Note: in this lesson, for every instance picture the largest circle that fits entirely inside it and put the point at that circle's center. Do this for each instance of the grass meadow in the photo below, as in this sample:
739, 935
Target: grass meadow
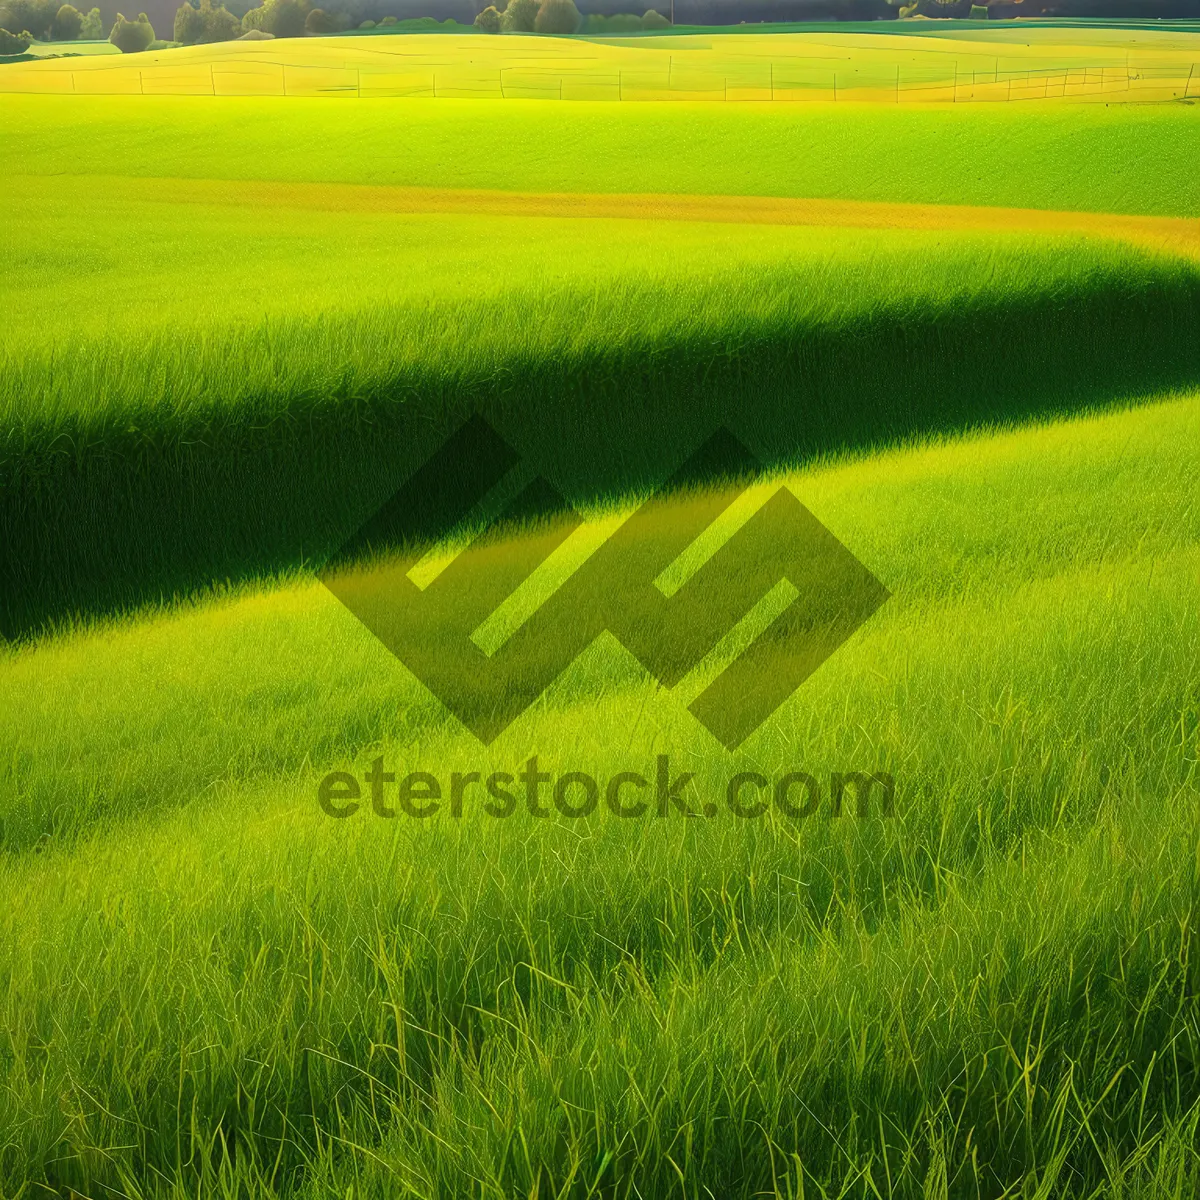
194, 950
293, 342
966, 337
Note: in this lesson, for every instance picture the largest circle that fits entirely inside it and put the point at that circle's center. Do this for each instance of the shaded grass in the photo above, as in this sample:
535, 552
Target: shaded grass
994, 989
263, 683
194, 393
137, 466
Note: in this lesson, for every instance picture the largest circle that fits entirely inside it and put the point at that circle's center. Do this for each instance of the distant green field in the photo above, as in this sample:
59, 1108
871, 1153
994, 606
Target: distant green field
941, 154
966, 337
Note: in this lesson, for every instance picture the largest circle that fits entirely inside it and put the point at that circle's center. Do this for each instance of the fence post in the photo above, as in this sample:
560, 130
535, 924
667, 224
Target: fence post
1187, 87
212, 79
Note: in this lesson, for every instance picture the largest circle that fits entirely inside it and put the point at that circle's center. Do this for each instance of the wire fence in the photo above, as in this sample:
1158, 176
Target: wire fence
780, 80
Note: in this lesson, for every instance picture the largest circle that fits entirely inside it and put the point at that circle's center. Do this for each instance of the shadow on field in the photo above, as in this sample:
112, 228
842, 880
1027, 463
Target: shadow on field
93, 524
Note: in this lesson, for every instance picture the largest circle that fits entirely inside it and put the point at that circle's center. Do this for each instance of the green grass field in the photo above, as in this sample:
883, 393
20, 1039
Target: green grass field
966, 337
228, 963
855, 152
294, 387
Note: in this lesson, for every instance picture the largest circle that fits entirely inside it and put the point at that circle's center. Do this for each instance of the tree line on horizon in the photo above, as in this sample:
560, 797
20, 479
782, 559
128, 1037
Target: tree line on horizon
24, 21
198, 21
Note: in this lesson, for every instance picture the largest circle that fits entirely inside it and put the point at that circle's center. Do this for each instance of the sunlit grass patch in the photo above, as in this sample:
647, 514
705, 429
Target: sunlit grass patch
420, 988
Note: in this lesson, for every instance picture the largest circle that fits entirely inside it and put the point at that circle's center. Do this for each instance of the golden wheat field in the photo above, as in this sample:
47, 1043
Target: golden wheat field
1110, 65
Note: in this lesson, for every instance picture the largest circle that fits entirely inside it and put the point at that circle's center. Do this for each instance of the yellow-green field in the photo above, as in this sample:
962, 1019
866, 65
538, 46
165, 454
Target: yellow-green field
1109, 66
965, 336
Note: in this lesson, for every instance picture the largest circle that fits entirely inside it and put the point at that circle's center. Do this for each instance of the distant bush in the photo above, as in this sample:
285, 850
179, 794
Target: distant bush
13, 43
488, 21
220, 25
205, 24
34, 17
653, 19
93, 26
189, 25
429, 24
67, 24
282, 18
519, 16
256, 35
620, 23
979, 12
287, 17
131, 37
295, 18
557, 16
936, 8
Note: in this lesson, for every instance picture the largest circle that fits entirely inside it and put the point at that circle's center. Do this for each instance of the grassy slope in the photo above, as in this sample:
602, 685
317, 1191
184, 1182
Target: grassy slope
969, 988
215, 453
141, 457
152, 260
194, 324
